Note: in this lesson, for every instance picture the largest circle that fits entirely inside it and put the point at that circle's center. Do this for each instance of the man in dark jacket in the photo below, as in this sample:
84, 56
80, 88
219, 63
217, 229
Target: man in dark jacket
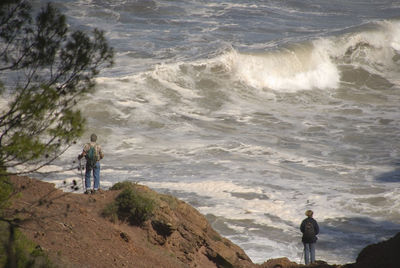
309, 227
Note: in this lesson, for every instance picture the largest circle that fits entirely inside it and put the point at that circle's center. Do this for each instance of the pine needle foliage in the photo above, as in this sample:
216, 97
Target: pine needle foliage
27, 253
45, 69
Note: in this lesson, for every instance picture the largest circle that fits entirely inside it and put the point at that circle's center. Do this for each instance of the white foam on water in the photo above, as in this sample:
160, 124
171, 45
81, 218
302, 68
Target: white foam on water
225, 199
373, 48
286, 70
274, 249
225, 204
3, 104
198, 125
392, 205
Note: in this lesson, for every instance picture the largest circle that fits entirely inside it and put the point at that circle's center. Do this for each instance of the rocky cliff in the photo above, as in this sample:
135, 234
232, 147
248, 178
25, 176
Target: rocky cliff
385, 254
70, 228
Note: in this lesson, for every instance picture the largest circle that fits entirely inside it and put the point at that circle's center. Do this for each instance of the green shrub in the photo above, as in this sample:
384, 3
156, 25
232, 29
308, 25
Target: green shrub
172, 201
122, 185
111, 212
130, 205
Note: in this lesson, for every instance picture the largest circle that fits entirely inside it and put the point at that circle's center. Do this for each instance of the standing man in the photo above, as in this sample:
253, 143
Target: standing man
93, 154
309, 227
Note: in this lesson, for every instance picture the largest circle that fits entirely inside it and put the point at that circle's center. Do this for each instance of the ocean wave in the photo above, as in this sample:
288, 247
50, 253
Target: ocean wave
315, 64
252, 112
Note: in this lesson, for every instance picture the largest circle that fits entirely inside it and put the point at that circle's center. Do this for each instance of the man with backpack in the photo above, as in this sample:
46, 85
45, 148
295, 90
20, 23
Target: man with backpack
309, 227
93, 154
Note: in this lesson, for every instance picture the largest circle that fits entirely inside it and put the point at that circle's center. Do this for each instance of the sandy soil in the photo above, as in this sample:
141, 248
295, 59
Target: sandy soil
69, 227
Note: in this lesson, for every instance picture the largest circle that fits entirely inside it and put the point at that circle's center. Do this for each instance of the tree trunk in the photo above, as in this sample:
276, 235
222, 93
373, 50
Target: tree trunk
11, 258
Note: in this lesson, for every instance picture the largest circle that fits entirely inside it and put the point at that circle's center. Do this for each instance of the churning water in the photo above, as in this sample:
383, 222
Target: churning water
253, 112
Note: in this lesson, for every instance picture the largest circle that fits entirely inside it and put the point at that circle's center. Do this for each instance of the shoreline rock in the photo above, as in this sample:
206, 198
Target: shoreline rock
73, 232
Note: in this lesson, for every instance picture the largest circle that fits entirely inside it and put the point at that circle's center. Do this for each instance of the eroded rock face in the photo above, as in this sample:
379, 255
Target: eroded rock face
74, 234
187, 233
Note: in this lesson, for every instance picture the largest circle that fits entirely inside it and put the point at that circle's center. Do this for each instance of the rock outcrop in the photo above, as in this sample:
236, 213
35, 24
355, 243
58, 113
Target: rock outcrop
385, 254
70, 228
181, 229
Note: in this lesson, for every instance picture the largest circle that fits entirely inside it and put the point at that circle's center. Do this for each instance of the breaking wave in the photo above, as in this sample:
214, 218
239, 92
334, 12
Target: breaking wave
316, 64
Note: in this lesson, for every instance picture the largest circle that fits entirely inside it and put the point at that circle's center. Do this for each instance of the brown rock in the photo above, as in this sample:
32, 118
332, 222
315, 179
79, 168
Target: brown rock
283, 262
384, 254
77, 236
69, 228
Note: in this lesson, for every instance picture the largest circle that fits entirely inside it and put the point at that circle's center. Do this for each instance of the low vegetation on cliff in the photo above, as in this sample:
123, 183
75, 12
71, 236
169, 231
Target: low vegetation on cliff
131, 225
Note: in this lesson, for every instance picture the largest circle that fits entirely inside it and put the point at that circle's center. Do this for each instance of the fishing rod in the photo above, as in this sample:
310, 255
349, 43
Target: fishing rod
80, 168
302, 256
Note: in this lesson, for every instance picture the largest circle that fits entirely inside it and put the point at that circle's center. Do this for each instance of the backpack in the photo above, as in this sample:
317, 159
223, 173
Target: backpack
91, 158
309, 232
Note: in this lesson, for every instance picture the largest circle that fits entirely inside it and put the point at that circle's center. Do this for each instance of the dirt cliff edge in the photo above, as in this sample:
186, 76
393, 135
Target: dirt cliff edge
70, 228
